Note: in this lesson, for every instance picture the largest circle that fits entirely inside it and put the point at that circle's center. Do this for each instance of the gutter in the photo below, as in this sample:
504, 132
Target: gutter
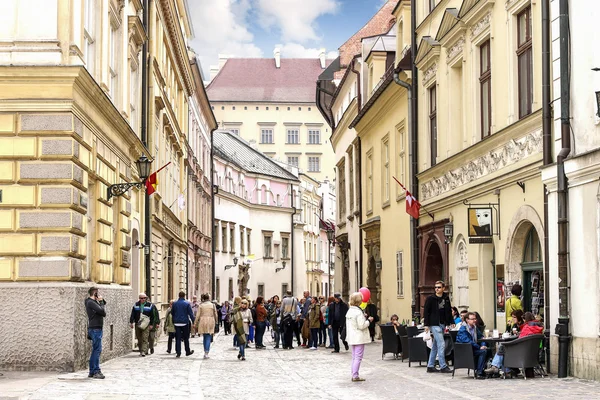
414, 149
292, 236
144, 134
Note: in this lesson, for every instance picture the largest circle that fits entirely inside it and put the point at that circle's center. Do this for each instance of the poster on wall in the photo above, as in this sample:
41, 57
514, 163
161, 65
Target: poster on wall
500, 295
480, 222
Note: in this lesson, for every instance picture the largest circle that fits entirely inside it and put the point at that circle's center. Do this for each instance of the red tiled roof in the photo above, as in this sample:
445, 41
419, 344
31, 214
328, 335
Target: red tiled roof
258, 80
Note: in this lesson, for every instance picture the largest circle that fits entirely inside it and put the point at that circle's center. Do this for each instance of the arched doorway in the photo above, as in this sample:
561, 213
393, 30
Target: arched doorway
434, 269
433, 265
533, 273
135, 264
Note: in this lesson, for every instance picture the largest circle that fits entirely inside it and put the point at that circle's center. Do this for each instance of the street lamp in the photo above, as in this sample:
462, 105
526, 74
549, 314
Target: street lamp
119, 189
280, 268
330, 238
235, 261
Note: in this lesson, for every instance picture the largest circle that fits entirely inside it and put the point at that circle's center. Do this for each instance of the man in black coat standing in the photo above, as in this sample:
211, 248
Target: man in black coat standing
437, 314
337, 321
94, 307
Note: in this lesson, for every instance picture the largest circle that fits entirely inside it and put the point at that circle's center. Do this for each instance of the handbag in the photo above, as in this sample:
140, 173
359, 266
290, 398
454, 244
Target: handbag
143, 322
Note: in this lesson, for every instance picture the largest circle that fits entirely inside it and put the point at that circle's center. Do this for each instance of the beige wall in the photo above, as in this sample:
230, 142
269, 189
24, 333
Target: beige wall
249, 118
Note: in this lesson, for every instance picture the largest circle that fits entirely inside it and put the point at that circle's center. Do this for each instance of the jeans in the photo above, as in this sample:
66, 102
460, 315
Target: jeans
206, 340
243, 348
330, 333
277, 337
480, 356
96, 335
235, 340
438, 347
358, 350
260, 332
170, 342
182, 332
251, 334
322, 333
314, 337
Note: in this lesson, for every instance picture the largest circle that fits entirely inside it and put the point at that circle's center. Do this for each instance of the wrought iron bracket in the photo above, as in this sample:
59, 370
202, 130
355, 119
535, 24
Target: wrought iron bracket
120, 189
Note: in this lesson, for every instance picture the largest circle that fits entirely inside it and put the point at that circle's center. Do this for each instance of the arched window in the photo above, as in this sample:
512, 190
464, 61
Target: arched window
533, 248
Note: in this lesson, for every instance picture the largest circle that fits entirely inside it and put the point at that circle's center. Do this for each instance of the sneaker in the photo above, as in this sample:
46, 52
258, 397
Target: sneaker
206, 356
151, 351
142, 355
358, 379
243, 358
480, 377
98, 375
446, 370
303, 345
239, 355
491, 370
312, 348
432, 369
90, 375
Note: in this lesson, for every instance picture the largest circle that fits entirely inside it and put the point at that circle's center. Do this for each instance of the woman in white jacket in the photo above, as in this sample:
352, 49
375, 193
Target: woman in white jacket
357, 333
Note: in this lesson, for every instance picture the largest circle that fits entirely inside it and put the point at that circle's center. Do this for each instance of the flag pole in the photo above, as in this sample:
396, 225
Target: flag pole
424, 209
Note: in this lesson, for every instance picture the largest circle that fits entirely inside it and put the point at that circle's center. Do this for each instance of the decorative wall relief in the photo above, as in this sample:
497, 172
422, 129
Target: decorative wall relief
455, 49
511, 152
482, 25
429, 74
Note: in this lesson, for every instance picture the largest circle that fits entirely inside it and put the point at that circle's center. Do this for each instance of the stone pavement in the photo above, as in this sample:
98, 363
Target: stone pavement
277, 374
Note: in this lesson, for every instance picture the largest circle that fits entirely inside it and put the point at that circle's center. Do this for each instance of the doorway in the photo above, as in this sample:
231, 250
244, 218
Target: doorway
434, 270
533, 274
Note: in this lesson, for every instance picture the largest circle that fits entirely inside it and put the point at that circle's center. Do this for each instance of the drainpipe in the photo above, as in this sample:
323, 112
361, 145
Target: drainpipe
359, 168
212, 213
145, 141
547, 146
562, 328
292, 237
414, 149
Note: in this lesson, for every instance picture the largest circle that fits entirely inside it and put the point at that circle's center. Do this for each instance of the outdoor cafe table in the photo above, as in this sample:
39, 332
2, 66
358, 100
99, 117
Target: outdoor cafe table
498, 339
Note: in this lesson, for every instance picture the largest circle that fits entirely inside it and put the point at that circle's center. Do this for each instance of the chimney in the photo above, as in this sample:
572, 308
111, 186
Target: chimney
322, 57
214, 70
222, 60
277, 55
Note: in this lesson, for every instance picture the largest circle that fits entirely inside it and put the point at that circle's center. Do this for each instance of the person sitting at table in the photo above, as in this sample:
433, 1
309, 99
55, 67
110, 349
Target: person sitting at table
480, 324
456, 315
517, 320
395, 323
469, 334
530, 327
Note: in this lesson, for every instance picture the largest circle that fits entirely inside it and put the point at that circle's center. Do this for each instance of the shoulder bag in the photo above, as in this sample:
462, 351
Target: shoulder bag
143, 322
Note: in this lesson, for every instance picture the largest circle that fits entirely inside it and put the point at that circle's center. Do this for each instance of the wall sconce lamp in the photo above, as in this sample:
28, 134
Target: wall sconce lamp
448, 232
235, 261
280, 268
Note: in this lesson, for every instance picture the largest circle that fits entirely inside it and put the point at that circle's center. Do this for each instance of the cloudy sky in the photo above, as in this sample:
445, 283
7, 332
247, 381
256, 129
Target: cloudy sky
253, 28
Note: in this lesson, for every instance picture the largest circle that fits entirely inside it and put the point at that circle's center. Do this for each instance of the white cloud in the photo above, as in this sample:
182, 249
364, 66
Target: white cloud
295, 18
220, 27
296, 50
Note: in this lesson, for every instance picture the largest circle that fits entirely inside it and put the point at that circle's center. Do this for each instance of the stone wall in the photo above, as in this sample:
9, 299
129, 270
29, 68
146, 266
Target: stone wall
44, 325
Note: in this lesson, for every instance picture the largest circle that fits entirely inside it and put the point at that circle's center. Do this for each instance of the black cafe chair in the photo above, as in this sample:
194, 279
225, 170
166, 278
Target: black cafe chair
417, 350
391, 341
523, 353
453, 335
412, 331
463, 358
402, 330
404, 347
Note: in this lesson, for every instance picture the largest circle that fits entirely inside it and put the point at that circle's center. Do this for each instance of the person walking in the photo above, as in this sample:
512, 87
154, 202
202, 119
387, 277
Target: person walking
261, 322
275, 320
323, 326
326, 318
94, 307
243, 323
155, 326
371, 311
304, 323
314, 323
142, 317
337, 320
195, 306
237, 304
357, 333
288, 312
206, 321
225, 310
169, 328
437, 313
182, 316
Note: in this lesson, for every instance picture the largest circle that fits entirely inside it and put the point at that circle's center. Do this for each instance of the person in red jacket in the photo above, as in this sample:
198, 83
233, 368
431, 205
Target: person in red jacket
530, 327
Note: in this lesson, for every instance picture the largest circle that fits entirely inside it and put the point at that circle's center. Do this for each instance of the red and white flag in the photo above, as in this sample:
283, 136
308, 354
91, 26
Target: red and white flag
413, 206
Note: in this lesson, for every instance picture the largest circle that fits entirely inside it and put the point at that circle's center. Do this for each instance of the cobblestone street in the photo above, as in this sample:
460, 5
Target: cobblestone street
276, 374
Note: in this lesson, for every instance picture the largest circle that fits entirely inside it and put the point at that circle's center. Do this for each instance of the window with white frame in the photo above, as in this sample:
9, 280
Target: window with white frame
314, 164
267, 244
342, 190
133, 95
266, 135
89, 35
284, 247
351, 178
399, 274
385, 169
113, 60
401, 159
293, 136
370, 181
293, 161
235, 131
314, 136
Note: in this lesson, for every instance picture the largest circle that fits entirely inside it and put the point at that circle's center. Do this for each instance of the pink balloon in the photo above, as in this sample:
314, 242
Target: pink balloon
366, 294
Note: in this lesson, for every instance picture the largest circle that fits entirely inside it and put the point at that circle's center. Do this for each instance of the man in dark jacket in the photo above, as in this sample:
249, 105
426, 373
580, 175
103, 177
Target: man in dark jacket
182, 315
142, 333
155, 322
437, 314
337, 321
94, 306
371, 311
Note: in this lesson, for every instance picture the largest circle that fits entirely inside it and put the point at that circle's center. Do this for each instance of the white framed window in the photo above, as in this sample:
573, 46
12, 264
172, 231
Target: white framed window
401, 159
235, 131
385, 169
89, 35
113, 61
266, 135
314, 164
293, 136
314, 136
370, 181
293, 161
133, 96
399, 274
267, 243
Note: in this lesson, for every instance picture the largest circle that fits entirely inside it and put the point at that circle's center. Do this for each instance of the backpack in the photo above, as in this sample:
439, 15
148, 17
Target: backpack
253, 311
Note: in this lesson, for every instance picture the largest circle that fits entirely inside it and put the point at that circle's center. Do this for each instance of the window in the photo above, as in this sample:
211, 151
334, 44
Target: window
216, 235
267, 243
284, 289
385, 169
370, 181
399, 274
433, 123
342, 190
232, 239
113, 65
224, 239
230, 289
293, 136
284, 247
133, 96
218, 288
248, 241
485, 82
293, 161
314, 136
431, 5
266, 135
401, 161
89, 35
235, 131
242, 234
261, 290
351, 179
313, 164
524, 56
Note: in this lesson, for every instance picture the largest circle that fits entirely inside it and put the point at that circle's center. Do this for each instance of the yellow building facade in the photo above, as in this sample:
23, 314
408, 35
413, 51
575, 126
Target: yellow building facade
480, 152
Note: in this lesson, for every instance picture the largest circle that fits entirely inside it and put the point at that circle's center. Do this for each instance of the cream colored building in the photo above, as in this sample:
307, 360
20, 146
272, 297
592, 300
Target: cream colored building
69, 127
480, 152
271, 103
310, 211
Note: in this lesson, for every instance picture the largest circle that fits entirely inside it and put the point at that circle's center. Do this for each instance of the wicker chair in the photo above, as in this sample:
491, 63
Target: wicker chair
463, 358
523, 353
391, 341
417, 350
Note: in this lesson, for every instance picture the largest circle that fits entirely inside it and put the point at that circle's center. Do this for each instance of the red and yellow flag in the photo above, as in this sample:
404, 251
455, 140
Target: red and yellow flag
152, 181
